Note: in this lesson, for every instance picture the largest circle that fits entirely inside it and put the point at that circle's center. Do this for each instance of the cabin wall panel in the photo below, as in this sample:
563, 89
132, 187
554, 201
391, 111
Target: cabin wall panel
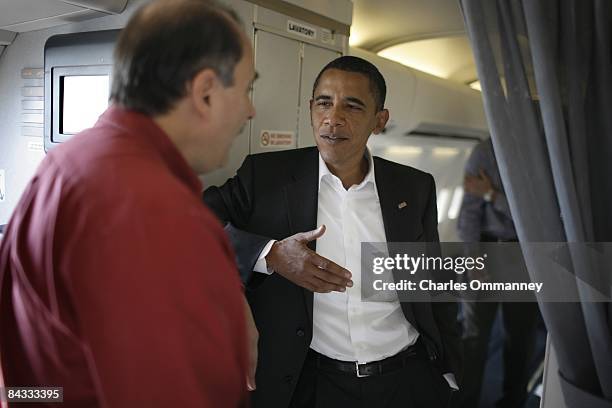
20, 152
17, 156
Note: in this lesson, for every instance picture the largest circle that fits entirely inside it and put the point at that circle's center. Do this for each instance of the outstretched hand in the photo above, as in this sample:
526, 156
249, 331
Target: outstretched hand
292, 259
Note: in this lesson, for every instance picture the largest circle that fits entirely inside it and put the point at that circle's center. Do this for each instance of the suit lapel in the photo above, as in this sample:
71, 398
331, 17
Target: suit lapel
395, 205
302, 196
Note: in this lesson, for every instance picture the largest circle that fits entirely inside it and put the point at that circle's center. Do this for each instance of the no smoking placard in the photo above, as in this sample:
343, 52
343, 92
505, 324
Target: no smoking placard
276, 138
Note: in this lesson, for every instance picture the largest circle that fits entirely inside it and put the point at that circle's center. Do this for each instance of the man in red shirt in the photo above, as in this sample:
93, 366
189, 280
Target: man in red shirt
116, 283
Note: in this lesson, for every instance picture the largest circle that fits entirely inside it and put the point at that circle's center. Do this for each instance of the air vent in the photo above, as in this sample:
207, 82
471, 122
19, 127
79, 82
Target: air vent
439, 130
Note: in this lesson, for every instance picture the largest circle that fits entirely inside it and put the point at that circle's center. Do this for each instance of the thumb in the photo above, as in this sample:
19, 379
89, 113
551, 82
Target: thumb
312, 235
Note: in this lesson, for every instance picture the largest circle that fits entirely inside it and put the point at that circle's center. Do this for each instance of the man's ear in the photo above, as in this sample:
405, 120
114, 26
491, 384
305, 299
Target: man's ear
203, 90
382, 118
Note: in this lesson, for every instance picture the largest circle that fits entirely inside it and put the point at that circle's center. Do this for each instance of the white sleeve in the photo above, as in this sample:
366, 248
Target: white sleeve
452, 382
261, 266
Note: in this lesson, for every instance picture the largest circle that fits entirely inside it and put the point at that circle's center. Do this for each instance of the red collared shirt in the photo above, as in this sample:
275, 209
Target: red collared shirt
117, 283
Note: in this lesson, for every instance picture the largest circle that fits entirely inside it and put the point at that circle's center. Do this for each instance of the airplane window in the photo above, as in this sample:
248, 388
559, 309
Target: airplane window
405, 150
445, 151
443, 197
84, 99
455, 206
443, 157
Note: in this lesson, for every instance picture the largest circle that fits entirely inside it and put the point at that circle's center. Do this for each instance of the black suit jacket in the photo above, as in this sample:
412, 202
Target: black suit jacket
273, 196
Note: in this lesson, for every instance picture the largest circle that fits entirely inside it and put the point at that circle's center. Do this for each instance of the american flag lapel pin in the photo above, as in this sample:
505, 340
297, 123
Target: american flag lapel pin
402, 205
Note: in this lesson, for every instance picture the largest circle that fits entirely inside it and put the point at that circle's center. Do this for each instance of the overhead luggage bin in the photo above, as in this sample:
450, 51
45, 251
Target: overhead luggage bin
30, 15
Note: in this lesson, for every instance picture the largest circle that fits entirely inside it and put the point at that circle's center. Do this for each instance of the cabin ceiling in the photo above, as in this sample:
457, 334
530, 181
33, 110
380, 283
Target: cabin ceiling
15, 12
27, 15
428, 35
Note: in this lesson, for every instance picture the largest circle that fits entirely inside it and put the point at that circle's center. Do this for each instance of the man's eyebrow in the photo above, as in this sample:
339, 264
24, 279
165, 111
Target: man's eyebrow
323, 97
355, 100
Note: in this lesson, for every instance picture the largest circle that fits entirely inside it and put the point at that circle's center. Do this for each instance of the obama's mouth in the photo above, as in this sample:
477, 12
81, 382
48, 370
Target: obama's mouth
332, 138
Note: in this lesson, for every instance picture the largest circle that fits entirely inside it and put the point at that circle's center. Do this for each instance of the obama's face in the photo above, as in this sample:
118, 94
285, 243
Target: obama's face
344, 114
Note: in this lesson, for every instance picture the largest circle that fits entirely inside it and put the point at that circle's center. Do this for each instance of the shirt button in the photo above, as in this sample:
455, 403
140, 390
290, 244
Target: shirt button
300, 332
288, 379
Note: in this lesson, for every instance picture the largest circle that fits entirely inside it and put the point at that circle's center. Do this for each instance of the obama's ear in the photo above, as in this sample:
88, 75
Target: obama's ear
382, 118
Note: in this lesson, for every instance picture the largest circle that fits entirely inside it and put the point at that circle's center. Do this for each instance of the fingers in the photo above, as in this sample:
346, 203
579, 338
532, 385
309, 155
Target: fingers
326, 264
469, 181
340, 281
314, 284
468, 185
330, 272
311, 235
332, 278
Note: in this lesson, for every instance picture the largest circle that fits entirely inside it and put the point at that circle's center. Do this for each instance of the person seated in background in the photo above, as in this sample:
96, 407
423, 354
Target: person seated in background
485, 217
117, 284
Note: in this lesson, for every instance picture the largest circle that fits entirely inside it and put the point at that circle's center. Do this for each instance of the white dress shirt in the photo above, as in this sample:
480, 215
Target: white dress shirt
344, 327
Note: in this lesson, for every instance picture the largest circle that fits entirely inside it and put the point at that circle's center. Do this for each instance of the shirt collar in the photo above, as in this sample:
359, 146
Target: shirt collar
369, 178
143, 129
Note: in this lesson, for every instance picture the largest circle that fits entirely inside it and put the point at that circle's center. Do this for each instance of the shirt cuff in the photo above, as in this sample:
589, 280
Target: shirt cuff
452, 382
261, 265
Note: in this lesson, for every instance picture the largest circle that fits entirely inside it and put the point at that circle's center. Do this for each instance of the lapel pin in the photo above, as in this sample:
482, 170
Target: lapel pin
402, 205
